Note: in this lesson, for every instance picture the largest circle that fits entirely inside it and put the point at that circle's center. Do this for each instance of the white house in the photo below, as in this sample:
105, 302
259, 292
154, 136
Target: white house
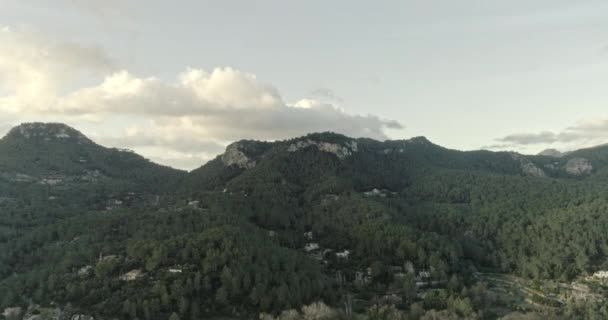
344, 254
311, 246
85, 270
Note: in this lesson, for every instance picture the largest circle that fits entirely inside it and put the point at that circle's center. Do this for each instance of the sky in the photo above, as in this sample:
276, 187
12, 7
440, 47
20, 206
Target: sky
177, 81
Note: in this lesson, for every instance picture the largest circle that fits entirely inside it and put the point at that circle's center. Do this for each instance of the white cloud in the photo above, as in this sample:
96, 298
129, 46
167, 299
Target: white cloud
196, 92
175, 139
229, 88
33, 71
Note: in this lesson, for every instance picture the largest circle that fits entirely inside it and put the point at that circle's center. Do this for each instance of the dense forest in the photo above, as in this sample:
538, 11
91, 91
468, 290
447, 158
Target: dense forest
316, 227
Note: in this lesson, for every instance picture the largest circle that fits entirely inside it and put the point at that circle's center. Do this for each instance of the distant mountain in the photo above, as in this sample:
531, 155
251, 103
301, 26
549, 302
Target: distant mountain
394, 162
551, 153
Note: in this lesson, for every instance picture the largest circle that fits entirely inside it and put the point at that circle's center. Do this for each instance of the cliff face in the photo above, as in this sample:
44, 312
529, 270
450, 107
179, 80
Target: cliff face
578, 166
528, 167
234, 155
339, 150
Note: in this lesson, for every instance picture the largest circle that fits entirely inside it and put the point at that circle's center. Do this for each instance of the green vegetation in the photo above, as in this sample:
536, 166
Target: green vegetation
375, 230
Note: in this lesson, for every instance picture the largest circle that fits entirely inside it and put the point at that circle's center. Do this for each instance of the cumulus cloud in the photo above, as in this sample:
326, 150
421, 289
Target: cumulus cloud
223, 104
584, 133
191, 117
174, 139
176, 147
33, 71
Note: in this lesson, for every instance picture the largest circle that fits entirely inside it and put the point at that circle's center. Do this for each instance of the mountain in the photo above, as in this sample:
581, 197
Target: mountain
377, 230
56, 167
57, 153
390, 164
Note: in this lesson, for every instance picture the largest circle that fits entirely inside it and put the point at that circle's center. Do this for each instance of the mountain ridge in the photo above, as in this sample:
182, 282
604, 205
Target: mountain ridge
418, 151
49, 132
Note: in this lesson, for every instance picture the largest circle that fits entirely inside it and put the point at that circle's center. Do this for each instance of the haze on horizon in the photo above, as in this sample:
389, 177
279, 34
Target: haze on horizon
178, 81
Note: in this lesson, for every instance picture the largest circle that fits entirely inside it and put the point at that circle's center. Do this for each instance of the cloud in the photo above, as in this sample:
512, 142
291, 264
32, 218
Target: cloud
191, 117
223, 104
530, 138
78, 57
33, 71
499, 146
172, 139
175, 147
584, 133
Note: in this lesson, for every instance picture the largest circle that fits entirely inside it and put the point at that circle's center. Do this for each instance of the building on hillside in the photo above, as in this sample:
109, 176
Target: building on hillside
344, 254
311, 246
85, 270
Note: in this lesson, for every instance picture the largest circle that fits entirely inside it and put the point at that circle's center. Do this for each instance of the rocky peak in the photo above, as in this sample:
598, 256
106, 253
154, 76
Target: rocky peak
244, 153
47, 132
235, 156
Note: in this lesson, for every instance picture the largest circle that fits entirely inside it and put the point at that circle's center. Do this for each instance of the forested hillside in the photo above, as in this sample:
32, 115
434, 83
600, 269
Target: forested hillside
375, 230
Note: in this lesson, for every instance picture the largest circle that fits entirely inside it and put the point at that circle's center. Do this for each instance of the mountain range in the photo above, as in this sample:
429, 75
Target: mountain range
400, 229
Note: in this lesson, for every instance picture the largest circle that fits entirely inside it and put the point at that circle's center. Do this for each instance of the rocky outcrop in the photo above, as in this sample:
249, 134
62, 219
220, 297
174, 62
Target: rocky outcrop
532, 170
528, 167
235, 156
341, 151
578, 166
